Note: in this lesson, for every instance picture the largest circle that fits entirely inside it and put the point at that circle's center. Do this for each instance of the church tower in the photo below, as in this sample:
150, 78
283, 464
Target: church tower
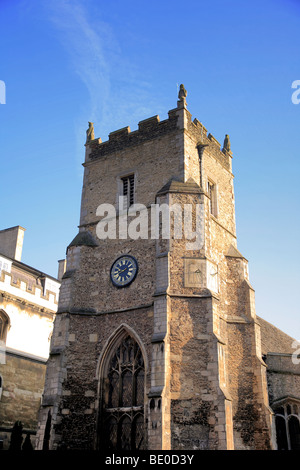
156, 344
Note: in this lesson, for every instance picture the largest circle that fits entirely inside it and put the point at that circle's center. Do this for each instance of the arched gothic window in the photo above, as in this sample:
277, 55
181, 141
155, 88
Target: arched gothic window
4, 325
122, 402
287, 420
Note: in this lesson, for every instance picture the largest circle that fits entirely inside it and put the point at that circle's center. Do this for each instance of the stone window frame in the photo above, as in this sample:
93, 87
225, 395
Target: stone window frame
107, 354
5, 265
212, 192
285, 409
120, 188
4, 326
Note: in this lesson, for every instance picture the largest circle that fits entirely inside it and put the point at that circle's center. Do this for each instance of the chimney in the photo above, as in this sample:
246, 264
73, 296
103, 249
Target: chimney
11, 242
61, 269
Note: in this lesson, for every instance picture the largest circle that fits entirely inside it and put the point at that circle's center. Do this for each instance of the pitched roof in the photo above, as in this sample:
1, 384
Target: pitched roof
83, 238
273, 339
234, 253
175, 185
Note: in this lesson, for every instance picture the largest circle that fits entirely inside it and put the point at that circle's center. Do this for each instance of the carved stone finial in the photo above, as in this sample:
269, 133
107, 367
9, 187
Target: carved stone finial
182, 94
90, 134
226, 145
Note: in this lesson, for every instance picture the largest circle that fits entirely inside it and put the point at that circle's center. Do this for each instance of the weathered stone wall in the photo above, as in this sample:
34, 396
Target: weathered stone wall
216, 167
154, 154
79, 404
22, 387
193, 378
93, 278
283, 376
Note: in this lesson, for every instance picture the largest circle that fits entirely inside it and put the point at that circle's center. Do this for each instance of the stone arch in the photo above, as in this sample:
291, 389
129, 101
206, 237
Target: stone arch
110, 343
4, 326
287, 421
121, 374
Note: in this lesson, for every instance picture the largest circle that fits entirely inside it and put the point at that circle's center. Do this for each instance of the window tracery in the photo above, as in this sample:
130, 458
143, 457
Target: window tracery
287, 420
122, 418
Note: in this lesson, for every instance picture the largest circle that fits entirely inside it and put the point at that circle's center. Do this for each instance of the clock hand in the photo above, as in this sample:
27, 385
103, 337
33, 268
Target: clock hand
122, 271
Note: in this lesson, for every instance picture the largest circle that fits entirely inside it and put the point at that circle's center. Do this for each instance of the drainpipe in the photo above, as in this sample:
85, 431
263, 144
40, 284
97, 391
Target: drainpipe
200, 148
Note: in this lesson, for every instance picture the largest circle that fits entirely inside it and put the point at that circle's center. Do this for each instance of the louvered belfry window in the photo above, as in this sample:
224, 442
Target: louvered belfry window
122, 426
212, 194
210, 190
128, 189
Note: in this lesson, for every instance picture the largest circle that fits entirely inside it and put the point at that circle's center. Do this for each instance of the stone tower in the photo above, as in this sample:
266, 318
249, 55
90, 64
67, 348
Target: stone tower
156, 344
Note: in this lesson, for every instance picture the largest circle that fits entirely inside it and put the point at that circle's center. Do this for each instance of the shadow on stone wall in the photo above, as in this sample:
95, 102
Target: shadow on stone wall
17, 440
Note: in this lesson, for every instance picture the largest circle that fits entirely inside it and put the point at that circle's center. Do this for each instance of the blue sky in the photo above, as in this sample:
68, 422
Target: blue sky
115, 63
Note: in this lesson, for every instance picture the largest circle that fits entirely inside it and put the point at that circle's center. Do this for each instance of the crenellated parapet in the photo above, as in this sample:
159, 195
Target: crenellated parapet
149, 129
214, 147
152, 128
43, 292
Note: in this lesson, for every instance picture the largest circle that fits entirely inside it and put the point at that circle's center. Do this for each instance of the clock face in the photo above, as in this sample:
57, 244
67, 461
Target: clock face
124, 271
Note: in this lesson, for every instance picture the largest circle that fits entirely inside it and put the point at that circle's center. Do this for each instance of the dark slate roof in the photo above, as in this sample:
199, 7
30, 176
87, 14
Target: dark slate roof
274, 340
177, 185
83, 239
234, 253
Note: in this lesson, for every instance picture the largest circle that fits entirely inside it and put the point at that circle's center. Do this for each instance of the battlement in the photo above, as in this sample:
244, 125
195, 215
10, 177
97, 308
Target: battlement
214, 140
152, 128
120, 134
201, 134
147, 124
42, 292
200, 126
148, 129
